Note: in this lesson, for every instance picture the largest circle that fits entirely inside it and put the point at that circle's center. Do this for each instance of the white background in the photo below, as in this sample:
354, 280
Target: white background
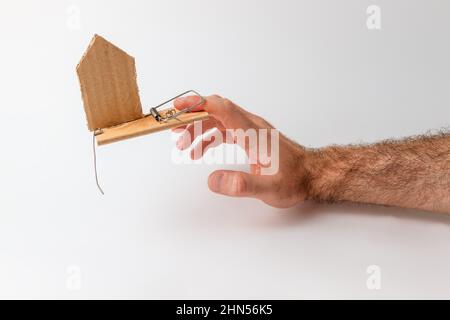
312, 68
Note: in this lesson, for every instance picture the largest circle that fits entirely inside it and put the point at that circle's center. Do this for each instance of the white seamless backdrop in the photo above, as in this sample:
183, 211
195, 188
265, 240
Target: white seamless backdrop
312, 68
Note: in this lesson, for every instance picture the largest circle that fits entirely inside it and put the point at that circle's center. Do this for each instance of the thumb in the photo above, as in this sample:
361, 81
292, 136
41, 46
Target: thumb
237, 183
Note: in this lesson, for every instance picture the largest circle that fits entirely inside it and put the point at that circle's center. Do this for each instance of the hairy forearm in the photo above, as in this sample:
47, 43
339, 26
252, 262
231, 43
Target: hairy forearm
412, 173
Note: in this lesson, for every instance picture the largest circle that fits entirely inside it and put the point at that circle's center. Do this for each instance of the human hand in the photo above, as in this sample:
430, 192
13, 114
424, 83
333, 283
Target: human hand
284, 188
396, 172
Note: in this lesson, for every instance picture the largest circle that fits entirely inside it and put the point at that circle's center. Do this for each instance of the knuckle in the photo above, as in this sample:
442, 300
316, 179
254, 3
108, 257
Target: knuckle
225, 111
227, 103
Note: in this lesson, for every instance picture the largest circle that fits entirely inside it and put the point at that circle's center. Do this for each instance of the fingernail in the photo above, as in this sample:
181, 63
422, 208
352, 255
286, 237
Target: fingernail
180, 100
215, 182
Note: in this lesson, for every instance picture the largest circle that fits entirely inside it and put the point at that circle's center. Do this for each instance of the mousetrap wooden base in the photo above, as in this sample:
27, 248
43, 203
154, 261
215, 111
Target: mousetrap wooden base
144, 126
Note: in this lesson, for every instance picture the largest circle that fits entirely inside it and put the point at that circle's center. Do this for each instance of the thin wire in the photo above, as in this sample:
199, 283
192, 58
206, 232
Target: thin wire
95, 164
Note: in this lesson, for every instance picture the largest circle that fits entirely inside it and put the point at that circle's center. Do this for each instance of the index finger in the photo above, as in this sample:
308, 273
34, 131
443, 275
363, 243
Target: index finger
223, 110
213, 104
189, 101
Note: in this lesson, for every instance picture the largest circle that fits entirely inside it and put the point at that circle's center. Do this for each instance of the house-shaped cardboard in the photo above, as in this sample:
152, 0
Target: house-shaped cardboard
108, 84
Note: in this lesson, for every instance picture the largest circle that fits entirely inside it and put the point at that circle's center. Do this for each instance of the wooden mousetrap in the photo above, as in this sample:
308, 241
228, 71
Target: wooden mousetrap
111, 100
